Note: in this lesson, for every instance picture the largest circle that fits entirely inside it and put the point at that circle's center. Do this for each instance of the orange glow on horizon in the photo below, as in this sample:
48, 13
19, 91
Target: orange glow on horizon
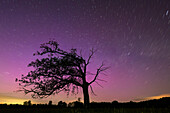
11, 100
158, 97
153, 97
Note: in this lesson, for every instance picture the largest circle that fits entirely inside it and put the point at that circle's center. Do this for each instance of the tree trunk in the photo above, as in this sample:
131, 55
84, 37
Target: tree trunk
86, 96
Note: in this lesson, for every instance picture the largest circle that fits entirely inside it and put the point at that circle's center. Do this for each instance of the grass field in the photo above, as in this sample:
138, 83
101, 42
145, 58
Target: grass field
81, 110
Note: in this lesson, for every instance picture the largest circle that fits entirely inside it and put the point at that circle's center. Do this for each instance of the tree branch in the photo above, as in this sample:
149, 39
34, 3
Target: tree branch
92, 90
99, 84
90, 56
100, 69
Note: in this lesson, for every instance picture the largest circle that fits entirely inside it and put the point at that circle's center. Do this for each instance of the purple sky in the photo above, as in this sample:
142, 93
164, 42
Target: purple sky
133, 37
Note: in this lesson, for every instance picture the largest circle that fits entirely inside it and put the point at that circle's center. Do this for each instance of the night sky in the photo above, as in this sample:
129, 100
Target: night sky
131, 36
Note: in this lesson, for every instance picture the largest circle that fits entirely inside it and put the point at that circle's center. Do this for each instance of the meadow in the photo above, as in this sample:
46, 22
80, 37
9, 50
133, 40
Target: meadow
82, 110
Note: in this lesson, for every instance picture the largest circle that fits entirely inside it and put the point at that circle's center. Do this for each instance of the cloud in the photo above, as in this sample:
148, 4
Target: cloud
152, 97
7, 73
4, 73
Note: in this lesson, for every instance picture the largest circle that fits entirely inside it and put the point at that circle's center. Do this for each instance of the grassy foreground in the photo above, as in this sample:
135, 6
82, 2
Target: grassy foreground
81, 110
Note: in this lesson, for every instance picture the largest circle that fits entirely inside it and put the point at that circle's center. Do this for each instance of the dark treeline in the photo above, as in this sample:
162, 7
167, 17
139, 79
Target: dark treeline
156, 103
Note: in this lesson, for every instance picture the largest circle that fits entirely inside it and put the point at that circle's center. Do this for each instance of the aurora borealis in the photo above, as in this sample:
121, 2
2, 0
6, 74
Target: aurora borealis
132, 37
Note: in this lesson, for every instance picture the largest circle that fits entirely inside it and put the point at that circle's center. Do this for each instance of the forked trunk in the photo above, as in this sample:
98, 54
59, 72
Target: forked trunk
86, 96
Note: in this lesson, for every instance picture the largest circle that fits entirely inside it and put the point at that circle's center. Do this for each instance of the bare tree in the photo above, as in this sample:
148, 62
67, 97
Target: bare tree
58, 71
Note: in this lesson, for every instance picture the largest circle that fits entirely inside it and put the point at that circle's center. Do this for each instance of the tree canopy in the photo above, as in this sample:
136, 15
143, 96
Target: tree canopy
58, 71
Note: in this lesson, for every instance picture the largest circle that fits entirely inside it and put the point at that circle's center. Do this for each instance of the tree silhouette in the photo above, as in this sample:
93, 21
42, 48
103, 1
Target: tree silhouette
58, 71
27, 103
50, 103
62, 104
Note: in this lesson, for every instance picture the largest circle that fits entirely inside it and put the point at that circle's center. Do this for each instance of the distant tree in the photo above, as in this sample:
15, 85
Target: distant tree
29, 102
50, 103
79, 99
25, 103
62, 104
75, 104
115, 102
58, 71
70, 104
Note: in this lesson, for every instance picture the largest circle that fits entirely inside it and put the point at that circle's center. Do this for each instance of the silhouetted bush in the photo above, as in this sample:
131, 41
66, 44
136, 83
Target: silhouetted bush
62, 104
75, 104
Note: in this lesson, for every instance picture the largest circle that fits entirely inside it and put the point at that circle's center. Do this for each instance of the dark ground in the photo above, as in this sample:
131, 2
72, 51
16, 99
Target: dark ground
82, 110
